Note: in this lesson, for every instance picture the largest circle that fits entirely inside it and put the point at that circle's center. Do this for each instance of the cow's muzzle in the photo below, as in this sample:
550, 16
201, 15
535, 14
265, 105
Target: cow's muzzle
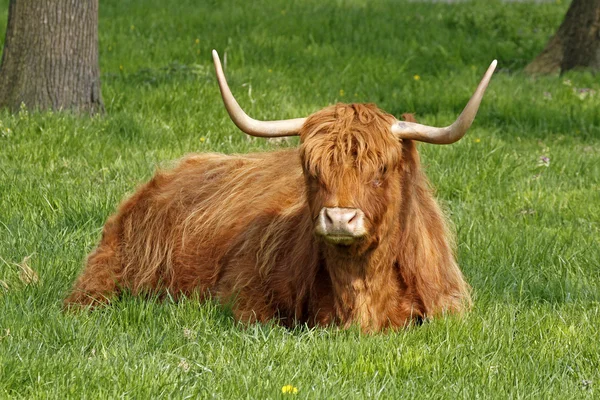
342, 226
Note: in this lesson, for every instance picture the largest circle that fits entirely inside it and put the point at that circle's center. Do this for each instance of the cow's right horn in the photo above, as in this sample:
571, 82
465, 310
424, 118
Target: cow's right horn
288, 127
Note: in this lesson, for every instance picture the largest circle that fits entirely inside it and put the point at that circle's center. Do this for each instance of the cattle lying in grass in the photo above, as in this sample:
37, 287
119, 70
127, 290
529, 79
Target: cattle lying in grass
342, 230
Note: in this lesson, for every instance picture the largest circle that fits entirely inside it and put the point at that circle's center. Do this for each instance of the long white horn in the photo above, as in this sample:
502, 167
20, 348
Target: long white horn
288, 127
448, 134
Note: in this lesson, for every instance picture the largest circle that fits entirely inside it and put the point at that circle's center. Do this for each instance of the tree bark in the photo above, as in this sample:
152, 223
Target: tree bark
50, 58
576, 44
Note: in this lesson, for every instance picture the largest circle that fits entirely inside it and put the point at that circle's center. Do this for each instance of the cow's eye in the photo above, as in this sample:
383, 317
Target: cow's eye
378, 180
316, 182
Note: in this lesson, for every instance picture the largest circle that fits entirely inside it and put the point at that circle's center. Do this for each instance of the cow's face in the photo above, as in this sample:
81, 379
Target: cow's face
352, 164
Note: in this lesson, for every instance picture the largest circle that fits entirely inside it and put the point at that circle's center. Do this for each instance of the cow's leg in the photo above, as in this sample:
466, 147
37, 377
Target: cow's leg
100, 281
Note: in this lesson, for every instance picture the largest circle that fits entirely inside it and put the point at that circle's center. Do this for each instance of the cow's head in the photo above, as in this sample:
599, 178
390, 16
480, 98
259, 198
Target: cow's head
352, 165
352, 159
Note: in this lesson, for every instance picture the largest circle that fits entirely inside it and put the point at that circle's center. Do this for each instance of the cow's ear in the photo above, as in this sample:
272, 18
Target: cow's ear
408, 117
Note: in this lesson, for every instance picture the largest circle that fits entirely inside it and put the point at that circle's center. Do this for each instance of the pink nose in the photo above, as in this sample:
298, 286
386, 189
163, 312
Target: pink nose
341, 224
342, 220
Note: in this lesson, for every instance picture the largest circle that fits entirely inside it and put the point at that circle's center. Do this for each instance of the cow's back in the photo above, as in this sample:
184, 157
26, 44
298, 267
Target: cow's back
182, 230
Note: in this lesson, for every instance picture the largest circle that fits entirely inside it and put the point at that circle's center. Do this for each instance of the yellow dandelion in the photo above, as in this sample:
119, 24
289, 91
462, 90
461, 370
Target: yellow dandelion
416, 77
121, 67
270, 70
289, 389
197, 41
477, 140
202, 139
342, 93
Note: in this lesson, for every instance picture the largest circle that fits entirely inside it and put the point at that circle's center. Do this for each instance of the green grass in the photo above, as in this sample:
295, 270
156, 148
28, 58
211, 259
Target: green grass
528, 234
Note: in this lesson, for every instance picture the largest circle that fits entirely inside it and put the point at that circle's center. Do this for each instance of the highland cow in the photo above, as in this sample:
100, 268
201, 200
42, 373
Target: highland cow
342, 230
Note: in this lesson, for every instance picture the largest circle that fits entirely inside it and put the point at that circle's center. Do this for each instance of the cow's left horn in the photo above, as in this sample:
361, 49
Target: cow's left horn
452, 133
288, 127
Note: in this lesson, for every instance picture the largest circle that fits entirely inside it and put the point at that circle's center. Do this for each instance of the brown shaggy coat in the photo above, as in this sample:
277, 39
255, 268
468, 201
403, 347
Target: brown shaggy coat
239, 228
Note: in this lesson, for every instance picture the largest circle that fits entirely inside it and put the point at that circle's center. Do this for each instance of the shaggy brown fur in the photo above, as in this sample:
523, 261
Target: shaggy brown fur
240, 229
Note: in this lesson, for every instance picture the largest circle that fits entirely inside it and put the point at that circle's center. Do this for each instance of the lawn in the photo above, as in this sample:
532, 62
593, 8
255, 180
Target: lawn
522, 190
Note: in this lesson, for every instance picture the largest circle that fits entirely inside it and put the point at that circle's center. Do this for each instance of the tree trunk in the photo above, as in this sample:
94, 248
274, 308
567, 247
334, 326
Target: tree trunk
576, 44
50, 58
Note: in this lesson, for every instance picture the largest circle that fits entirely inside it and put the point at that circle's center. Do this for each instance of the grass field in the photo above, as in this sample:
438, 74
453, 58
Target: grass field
522, 190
